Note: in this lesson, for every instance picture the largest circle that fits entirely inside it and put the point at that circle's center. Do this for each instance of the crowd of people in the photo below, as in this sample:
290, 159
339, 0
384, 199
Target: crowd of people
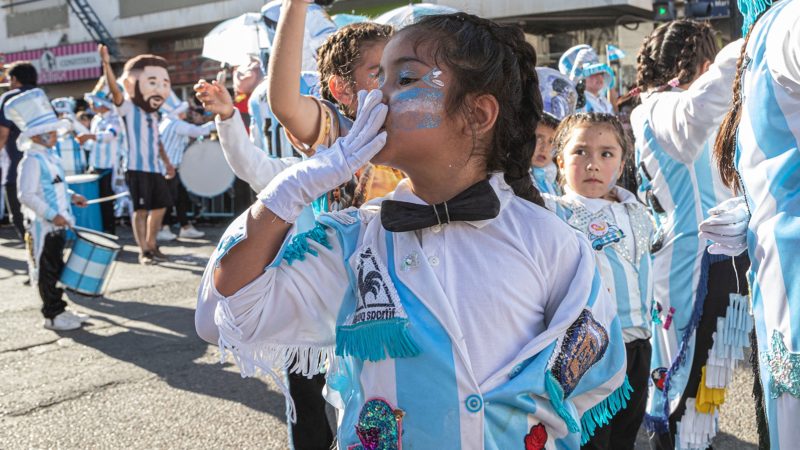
446, 251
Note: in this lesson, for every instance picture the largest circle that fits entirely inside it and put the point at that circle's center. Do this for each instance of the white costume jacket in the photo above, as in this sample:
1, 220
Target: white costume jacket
486, 334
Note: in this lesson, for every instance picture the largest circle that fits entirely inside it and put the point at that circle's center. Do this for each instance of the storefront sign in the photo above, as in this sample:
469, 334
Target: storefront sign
70, 62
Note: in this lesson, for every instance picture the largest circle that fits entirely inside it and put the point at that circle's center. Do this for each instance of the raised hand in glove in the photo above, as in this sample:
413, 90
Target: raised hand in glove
297, 186
727, 227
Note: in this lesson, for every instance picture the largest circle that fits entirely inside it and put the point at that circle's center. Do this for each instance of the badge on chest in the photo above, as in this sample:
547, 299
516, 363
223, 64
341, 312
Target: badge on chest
602, 233
378, 325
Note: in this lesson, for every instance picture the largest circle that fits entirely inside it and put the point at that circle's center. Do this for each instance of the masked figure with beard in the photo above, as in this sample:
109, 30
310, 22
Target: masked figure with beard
147, 85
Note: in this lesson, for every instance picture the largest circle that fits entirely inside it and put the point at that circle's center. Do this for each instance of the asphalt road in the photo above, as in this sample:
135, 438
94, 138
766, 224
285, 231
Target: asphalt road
137, 375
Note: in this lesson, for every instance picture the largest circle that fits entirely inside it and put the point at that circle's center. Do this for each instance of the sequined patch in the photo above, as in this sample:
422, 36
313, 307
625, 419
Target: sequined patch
584, 344
784, 368
536, 438
379, 426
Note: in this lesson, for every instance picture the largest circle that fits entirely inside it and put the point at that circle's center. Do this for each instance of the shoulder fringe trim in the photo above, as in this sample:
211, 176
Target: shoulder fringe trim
372, 341
297, 249
556, 394
269, 359
602, 413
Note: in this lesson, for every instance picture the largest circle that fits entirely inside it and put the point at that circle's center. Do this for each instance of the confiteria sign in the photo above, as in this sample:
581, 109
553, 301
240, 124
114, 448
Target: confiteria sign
70, 62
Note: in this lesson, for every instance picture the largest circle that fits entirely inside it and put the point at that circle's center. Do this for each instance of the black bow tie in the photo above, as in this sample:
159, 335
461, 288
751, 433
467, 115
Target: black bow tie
478, 202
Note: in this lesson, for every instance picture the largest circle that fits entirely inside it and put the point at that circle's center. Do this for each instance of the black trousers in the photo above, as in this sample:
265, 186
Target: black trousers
721, 283
51, 263
180, 199
312, 430
15, 209
106, 208
620, 433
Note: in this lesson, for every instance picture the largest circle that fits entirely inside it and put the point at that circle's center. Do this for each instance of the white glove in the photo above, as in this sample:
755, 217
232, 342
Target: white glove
727, 227
298, 185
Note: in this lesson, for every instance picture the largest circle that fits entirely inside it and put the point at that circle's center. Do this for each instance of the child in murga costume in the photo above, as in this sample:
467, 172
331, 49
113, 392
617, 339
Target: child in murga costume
558, 98
582, 65
591, 152
46, 202
700, 317
446, 320
759, 157
68, 148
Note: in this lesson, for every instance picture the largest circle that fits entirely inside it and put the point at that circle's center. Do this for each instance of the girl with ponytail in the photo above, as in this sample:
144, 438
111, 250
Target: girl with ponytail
684, 96
446, 315
758, 155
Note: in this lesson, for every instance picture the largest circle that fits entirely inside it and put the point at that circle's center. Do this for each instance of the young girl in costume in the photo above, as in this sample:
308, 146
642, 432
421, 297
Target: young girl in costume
757, 153
444, 323
700, 324
591, 153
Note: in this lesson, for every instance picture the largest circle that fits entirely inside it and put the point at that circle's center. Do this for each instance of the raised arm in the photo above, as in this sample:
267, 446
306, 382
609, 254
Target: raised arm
685, 121
299, 114
108, 73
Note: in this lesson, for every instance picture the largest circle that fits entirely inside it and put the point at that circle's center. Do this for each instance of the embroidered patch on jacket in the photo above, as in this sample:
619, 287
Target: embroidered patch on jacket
784, 368
379, 427
583, 344
377, 297
602, 233
536, 438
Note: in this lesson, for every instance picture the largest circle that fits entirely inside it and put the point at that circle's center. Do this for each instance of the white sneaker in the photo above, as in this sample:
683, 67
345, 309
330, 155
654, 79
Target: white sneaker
61, 322
76, 316
165, 234
191, 232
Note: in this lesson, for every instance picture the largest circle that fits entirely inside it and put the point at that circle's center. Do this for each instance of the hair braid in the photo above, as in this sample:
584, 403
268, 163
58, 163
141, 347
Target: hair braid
725, 145
674, 50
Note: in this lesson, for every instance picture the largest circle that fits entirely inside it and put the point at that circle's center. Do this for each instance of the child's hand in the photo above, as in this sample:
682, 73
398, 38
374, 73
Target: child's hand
726, 227
79, 201
170, 172
103, 51
82, 138
60, 221
297, 186
215, 98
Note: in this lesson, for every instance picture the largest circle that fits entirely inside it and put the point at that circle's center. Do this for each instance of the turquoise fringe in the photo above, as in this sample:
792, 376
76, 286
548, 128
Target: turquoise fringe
602, 413
556, 394
373, 340
751, 10
297, 249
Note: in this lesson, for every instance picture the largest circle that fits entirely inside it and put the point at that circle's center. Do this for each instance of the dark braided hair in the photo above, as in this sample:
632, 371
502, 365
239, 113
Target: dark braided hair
341, 52
724, 151
674, 50
489, 58
564, 132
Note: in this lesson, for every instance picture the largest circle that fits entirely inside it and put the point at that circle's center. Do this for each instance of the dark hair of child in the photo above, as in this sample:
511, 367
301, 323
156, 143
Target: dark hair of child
674, 50
489, 58
564, 132
341, 52
549, 120
23, 71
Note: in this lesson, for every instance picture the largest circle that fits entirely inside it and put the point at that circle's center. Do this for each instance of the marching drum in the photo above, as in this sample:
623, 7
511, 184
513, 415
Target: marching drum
88, 186
204, 171
90, 262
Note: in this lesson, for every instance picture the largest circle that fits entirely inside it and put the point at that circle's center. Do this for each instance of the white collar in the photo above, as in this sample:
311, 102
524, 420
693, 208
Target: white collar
37, 148
497, 180
596, 204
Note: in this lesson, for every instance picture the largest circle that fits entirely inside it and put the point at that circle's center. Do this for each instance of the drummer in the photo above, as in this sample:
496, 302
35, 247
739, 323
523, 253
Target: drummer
68, 147
106, 132
45, 200
175, 134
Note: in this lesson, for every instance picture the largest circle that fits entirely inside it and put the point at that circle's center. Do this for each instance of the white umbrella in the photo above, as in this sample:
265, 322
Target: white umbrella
235, 41
409, 14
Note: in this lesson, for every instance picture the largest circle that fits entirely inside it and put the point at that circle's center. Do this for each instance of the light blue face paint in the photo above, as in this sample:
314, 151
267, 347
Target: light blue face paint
432, 78
416, 108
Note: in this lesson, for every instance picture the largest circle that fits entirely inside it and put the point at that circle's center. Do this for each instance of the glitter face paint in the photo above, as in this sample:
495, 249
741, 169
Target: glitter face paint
417, 108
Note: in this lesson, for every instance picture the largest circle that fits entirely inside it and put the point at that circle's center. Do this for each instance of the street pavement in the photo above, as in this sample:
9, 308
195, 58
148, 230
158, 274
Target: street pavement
137, 376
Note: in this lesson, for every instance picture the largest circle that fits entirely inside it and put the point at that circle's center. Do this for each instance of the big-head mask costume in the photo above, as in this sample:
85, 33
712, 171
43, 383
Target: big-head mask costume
147, 82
